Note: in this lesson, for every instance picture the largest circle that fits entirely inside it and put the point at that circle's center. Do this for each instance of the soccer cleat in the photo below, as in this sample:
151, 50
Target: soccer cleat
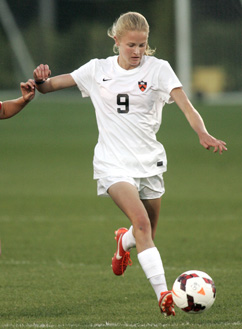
166, 303
121, 258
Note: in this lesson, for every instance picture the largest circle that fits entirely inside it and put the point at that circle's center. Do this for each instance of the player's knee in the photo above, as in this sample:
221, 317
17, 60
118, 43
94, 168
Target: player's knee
142, 225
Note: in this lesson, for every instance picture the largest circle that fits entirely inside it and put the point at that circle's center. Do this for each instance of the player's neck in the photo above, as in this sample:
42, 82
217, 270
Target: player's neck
126, 65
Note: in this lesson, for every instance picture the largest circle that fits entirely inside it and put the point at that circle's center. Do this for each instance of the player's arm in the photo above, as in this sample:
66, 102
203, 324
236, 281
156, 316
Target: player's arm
44, 84
12, 107
196, 121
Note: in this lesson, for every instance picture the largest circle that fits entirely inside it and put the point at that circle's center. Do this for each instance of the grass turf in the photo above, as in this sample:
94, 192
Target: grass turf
57, 235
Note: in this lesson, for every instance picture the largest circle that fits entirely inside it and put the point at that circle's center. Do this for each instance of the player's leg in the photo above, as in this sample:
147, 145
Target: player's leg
151, 190
158, 281
126, 196
153, 209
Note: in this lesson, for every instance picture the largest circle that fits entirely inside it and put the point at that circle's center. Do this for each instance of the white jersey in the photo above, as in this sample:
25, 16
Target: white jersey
128, 106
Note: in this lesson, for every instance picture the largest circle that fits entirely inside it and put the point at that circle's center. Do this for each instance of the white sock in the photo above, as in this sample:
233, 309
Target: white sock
151, 264
158, 283
128, 240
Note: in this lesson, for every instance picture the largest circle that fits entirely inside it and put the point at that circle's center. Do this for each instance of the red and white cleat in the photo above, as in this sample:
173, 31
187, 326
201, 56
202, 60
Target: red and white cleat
166, 303
121, 258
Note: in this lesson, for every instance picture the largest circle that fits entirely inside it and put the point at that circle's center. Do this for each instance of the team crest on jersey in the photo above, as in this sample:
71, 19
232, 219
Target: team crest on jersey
142, 85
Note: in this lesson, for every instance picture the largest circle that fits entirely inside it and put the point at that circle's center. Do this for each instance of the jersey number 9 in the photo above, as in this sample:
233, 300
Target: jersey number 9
123, 100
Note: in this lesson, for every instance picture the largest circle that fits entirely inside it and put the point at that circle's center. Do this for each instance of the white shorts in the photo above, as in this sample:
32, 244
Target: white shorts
148, 187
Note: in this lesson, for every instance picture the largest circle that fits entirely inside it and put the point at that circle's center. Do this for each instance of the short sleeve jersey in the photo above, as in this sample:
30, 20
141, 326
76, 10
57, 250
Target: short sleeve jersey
128, 106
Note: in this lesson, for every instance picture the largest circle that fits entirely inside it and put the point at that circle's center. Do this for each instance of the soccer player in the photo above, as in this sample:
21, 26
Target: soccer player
128, 91
12, 107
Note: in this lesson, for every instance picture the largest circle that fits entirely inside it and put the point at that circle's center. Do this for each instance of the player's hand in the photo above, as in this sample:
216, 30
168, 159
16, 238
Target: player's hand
28, 90
42, 73
209, 141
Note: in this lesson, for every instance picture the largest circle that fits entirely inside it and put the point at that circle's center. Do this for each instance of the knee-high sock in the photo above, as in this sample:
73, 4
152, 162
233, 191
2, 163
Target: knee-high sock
152, 265
128, 240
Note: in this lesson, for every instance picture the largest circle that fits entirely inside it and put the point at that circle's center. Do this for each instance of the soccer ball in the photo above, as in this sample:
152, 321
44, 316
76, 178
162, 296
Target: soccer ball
194, 292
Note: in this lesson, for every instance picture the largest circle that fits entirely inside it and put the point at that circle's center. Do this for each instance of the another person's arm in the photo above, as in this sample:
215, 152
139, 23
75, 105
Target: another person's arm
10, 108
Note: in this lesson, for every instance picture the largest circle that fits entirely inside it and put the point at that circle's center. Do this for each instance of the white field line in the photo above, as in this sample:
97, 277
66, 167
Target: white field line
60, 263
121, 325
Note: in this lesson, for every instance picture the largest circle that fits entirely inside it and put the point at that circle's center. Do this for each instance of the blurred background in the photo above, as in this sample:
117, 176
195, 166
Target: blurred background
200, 38
56, 234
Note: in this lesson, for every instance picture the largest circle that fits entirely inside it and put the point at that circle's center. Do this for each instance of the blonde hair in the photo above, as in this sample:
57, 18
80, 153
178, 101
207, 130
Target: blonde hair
130, 21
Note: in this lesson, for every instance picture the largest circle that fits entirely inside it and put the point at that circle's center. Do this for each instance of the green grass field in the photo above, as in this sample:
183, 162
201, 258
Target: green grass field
57, 236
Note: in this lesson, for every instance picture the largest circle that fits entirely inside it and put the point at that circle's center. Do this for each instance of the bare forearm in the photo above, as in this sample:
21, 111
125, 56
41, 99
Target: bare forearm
12, 107
196, 122
193, 117
45, 84
56, 83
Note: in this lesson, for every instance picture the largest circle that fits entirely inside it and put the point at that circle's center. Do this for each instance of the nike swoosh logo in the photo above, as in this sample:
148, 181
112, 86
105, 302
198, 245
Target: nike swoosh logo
106, 79
117, 255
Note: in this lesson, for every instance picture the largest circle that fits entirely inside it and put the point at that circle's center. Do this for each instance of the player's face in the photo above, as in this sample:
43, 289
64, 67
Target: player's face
132, 46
